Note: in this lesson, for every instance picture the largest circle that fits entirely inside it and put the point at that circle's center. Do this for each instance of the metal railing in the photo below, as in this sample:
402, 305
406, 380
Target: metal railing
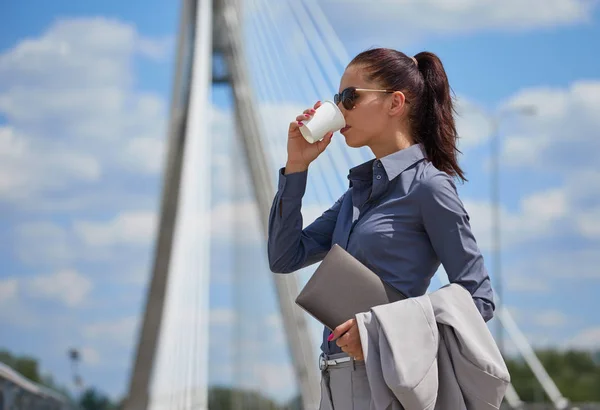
19, 393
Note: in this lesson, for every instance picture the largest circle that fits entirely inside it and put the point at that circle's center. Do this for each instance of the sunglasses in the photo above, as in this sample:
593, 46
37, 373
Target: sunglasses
349, 96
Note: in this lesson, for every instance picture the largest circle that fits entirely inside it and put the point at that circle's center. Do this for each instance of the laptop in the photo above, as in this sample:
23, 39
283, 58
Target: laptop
341, 287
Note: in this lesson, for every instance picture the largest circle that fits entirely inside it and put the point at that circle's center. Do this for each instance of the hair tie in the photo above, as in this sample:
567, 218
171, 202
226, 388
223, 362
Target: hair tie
415, 60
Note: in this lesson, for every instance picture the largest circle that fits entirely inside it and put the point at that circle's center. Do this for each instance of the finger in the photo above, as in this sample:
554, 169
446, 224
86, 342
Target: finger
354, 349
321, 145
341, 329
326, 139
309, 111
303, 117
353, 352
295, 125
317, 105
344, 340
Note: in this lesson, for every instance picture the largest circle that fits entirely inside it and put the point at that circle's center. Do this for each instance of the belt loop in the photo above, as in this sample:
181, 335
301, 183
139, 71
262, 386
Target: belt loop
323, 362
353, 364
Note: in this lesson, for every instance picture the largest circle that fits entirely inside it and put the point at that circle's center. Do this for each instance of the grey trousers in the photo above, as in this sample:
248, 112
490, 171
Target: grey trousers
345, 386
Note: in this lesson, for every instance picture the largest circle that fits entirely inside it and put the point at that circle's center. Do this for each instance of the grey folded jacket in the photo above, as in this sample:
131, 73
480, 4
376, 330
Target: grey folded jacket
432, 352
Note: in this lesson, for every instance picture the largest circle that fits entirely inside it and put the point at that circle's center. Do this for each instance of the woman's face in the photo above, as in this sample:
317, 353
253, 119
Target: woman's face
369, 118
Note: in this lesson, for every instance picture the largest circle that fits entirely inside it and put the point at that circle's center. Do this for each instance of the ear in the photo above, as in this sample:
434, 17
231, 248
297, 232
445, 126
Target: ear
398, 102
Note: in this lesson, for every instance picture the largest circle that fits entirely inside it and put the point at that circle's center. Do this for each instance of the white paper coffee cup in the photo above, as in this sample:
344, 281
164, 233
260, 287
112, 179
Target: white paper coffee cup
327, 118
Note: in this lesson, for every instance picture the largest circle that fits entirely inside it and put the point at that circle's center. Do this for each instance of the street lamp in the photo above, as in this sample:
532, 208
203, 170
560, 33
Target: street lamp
495, 119
75, 357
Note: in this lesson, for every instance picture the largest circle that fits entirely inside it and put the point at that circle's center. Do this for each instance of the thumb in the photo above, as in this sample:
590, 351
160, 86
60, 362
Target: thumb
321, 145
341, 329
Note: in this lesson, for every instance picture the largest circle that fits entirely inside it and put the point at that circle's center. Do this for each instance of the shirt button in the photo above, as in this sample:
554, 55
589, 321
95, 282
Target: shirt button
378, 176
379, 165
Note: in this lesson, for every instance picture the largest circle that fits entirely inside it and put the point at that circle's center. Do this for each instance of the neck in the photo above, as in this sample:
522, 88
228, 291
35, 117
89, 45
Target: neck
390, 143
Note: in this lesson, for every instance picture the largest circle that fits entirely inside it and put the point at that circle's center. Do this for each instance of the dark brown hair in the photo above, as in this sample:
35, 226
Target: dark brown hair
426, 88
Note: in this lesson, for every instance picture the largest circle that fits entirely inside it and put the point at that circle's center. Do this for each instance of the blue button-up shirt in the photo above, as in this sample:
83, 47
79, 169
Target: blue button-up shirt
400, 217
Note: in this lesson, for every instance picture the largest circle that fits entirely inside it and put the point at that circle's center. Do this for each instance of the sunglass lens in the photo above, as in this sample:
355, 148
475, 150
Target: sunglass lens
348, 98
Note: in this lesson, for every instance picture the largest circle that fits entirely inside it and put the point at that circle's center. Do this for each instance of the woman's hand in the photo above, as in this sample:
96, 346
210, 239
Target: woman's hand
300, 152
349, 340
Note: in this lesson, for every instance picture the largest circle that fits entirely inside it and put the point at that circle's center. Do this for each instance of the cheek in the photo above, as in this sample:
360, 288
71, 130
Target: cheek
369, 121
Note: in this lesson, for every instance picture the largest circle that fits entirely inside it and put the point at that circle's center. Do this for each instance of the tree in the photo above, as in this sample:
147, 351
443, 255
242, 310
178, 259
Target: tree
26, 365
225, 398
92, 399
576, 374
294, 404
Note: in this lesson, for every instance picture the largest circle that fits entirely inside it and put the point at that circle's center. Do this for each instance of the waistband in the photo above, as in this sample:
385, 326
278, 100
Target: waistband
337, 360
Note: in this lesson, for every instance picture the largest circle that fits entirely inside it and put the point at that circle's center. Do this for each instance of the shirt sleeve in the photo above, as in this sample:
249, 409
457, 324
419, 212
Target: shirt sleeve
289, 246
447, 224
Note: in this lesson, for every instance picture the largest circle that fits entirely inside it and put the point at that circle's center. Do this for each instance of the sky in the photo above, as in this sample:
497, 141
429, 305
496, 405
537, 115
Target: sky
84, 97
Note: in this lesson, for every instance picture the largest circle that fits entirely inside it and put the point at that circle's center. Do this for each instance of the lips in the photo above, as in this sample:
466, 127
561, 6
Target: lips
346, 128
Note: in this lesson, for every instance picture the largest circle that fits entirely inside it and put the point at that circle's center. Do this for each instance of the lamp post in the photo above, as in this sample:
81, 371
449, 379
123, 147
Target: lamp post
75, 357
495, 120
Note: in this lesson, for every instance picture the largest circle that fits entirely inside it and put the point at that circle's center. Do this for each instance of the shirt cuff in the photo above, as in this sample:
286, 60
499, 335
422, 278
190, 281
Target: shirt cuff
292, 185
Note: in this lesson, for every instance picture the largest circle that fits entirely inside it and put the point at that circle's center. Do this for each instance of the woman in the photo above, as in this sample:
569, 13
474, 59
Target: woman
401, 215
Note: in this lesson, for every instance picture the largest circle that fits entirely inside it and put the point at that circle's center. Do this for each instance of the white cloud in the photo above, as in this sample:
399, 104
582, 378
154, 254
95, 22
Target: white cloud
550, 318
274, 327
538, 214
133, 228
277, 379
8, 289
156, 48
311, 212
90, 355
27, 167
120, 331
72, 113
546, 205
13, 309
237, 220
417, 18
274, 321
145, 153
48, 245
564, 263
222, 317
473, 125
587, 339
43, 242
527, 284
240, 221
588, 223
67, 286
561, 136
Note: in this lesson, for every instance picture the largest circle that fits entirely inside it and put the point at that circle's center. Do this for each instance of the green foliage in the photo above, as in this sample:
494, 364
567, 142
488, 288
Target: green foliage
27, 366
576, 374
230, 398
92, 399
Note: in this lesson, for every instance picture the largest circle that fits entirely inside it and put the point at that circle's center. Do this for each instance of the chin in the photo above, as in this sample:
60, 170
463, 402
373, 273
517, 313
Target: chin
354, 142
353, 145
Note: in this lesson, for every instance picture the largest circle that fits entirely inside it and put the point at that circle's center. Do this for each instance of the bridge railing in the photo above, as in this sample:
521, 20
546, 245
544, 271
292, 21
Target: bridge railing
19, 393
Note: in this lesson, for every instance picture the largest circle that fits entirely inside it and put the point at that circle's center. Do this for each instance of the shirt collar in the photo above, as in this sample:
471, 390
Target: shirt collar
362, 172
394, 164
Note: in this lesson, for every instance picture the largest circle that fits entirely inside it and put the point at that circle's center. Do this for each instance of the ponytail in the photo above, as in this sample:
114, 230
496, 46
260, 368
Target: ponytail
435, 127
